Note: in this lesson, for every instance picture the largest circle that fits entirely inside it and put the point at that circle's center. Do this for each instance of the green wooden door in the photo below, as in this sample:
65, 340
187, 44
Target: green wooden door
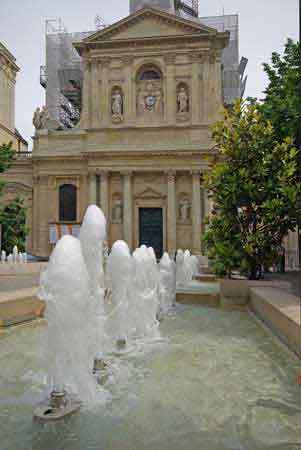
151, 229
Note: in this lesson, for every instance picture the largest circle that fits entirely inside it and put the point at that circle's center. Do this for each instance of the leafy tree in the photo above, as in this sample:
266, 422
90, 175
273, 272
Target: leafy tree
254, 189
13, 219
12, 216
282, 102
6, 158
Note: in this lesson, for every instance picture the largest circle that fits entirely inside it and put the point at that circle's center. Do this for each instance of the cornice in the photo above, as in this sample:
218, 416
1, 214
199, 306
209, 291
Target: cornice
159, 15
8, 58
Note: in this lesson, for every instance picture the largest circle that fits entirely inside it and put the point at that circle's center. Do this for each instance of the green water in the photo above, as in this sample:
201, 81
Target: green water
217, 382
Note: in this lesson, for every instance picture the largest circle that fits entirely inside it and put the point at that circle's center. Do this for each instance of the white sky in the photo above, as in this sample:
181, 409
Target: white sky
264, 27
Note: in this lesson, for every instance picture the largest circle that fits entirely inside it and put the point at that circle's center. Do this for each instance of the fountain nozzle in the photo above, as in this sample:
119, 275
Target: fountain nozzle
56, 407
121, 343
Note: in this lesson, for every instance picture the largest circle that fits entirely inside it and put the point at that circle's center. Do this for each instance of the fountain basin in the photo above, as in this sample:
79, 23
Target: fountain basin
216, 381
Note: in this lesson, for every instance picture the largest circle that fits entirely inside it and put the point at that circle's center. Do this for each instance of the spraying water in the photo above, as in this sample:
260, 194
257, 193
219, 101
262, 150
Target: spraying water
92, 236
119, 277
167, 270
64, 286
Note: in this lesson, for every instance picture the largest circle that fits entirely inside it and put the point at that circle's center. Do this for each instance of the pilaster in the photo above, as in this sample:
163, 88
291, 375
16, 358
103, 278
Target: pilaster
105, 69
195, 88
171, 213
92, 189
85, 115
196, 213
104, 193
127, 209
95, 94
170, 112
206, 87
128, 94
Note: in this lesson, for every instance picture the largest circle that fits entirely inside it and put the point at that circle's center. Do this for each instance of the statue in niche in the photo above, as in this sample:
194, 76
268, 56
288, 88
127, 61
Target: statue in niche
117, 105
117, 211
183, 100
150, 98
184, 210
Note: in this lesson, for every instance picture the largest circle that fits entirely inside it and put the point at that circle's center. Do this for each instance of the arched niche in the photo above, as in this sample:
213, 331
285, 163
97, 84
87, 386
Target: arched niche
117, 104
183, 100
149, 88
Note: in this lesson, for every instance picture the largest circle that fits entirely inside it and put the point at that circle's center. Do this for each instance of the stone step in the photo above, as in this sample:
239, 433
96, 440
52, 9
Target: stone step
20, 306
198, 298
206, 278
280, 311
22, 269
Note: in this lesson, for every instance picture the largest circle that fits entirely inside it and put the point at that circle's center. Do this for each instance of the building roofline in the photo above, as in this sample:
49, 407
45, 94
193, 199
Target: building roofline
9, 56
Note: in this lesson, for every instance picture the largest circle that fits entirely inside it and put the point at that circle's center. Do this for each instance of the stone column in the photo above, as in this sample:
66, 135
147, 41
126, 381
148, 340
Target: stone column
195, 88
127, 209
92, 189
196, 213
95, 94
206, 87
104, 193
171, 214
85, 115
170, 103
106, 95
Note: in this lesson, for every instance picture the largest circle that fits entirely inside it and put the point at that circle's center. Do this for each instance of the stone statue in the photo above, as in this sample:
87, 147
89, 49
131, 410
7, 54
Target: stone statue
183, 100
44, 117
40, 118
37, 119
117, 212
117, 103
184, 210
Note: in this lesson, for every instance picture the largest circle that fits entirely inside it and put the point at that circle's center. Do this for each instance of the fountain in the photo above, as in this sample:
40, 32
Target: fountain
119, 275
15, 257
82, 328
64, 286
99, 356
187, 266
167, 269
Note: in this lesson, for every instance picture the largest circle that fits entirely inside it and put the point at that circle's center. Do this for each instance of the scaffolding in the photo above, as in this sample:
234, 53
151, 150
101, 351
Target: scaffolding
62, 75
189, 7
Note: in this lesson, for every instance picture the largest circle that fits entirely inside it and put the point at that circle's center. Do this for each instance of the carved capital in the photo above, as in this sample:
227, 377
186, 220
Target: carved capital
195, 57
127, 59
206, 57
126, 173
196, 174
104, 174
106, 61
212, 58
171, 176
170, 58
86, 63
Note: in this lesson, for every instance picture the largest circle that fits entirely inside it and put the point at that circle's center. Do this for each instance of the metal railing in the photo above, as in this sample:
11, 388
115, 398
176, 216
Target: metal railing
43, 76
23, 155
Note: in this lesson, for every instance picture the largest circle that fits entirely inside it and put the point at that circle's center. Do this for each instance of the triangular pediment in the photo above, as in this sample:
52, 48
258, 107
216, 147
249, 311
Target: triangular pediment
150, 23
149, 193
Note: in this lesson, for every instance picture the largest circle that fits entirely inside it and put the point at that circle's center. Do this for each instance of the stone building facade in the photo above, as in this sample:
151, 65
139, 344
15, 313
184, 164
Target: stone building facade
8, 73
152, 88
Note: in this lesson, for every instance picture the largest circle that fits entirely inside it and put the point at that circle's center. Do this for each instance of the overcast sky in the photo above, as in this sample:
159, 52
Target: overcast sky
264, 27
